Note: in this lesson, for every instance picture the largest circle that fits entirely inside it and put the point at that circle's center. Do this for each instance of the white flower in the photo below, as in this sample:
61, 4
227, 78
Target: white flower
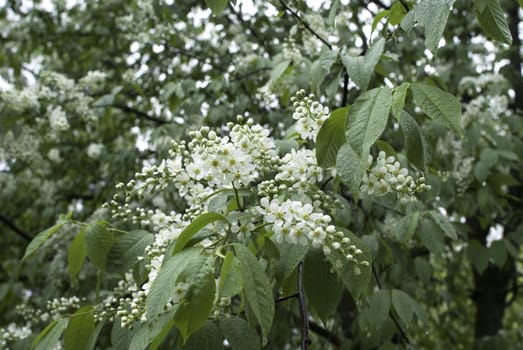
94, 150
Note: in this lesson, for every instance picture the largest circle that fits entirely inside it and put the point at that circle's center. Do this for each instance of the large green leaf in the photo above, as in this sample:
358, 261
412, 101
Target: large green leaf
350, 168
367, 118
406, 226
492, 20
163, 286
433, 16
44, 236
355, 278
478, 255
80, 333
416, 144
127, 248
98, 242
238, 333
444, 224
379, 306
290, 256
144, 333
49, 338
217, 6
197, 303
230, 282
76, 254
257, 288
360, 68
331, 137
193, 228
438, 105
317, 272
404, 305
120, 335
431, 235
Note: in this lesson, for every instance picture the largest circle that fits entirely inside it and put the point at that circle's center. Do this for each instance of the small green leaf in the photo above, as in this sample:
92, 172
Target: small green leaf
290, 256
431, 235
498, 253
355, 278
438, 105
423, 269
406, 226
196, 305
144, 332
492, 20
238, 333
120, 336
80, 332
360, 68
278, 71
41, 238
377, 19
208, 337
403, 305
331, 137
217, 6
257, 288
379, 306
76, 254
98, 242
49, 338
230, 283
478, 255
127, 248
367, 118
398, 99
416, 144
193, 228
316, 273
433, 16
350, 168
444, 224
162, 287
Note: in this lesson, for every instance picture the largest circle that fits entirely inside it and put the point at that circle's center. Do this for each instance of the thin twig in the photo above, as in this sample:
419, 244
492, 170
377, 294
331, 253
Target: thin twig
305, 24
9, 223
323, 332
305, 340
279, 300
138, 113
394, 319
345, 90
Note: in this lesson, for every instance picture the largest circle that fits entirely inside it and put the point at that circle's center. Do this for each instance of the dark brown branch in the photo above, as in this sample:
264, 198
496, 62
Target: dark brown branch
292, 296
9, 223
138, 113
345, 90
394, 319
305, 24
319, 330
305, 340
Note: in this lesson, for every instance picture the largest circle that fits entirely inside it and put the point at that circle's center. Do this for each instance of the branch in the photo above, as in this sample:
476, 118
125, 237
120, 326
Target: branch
394, 319
138, 113
345, 89
9, 223
305, 340
319, 330
305, 24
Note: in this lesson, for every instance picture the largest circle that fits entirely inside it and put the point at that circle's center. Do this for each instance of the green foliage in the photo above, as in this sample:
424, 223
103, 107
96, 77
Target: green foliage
331, 137
492, 20
360, 68
81, 332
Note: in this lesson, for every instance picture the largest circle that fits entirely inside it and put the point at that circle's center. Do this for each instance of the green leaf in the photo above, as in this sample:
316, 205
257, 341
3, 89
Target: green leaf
350, 168
41, 238
327, 58
145, 332
355, 278
423, 269
98, 242
478, 255
360, 68
438, 105
238, 333
196, 305
193, 228
398, 99
120, 336
278, 71
433, 16
230, 283
379, 306
403, 305
492, 20
367, 118
76, 254
49, 338
80, 332
321, 286
331, 137
444, 224
208, 337
217, 6
431, 235
257, 288
416, 144
406, 226
498, 253
162, 287
377, 19
290, 256
127, 248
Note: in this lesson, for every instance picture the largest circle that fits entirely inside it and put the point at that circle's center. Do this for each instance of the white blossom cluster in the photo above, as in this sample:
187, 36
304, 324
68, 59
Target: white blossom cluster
487, 82
309, 115
387, 176
13, 332
62, 305
490, 112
